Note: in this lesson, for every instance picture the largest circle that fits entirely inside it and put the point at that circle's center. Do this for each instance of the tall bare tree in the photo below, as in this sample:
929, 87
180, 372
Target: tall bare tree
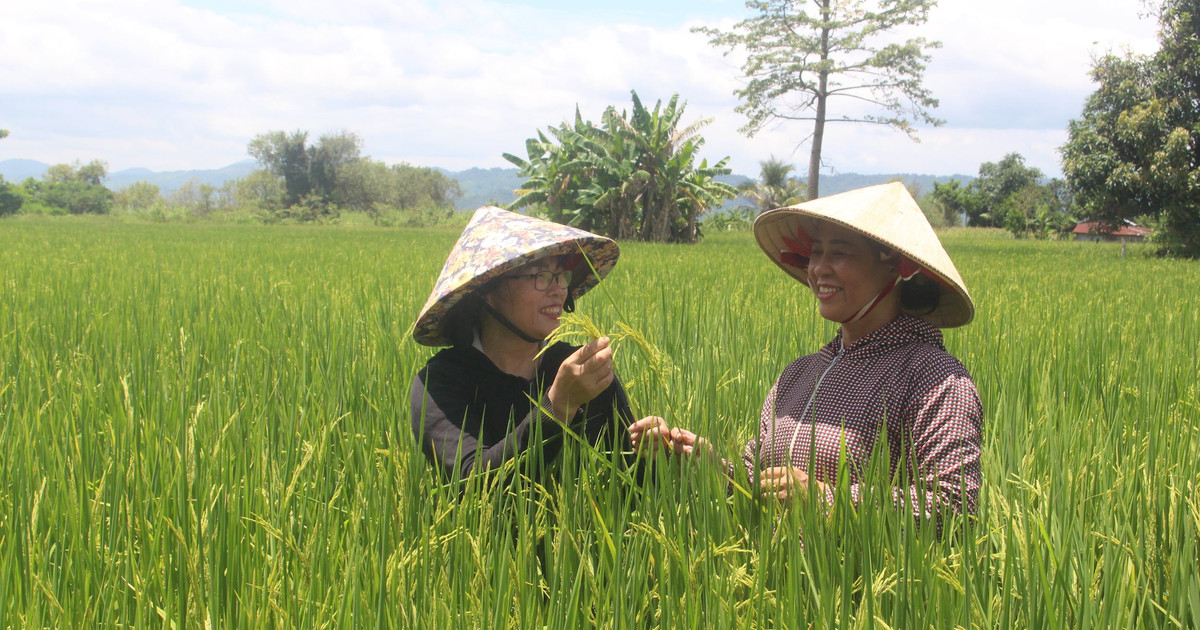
802, 54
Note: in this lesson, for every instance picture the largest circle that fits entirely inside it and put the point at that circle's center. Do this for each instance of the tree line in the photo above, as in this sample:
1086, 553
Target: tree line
1006, 194
317, 181
1134, 154
1010, 195
299, 182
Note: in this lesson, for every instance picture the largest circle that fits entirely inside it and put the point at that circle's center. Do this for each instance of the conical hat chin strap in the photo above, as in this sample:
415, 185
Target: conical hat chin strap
507, 324
568, 306
870, 306
906, 270
799, 252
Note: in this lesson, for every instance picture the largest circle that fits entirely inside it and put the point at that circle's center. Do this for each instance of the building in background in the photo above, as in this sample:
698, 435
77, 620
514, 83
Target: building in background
1129, 232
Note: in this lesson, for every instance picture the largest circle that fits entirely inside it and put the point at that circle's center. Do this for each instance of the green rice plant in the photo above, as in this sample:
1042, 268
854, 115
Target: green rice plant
209, 426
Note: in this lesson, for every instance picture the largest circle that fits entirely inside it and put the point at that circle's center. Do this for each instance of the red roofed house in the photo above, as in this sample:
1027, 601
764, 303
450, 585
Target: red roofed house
1097, 231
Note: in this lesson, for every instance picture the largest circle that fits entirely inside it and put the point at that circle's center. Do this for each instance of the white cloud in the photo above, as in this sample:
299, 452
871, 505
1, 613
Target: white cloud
455, 84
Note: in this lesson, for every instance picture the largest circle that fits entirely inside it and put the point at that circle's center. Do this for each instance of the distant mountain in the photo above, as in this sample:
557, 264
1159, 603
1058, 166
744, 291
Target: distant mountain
485, 186
481, 186
494, 186
497, 185
170, 181
841, 182
16, 171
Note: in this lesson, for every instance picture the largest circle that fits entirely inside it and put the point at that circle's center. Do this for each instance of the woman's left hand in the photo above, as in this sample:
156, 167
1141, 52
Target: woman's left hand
786, 482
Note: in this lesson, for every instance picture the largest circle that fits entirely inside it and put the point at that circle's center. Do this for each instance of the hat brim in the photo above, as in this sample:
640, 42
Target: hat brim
497, 242
893, 225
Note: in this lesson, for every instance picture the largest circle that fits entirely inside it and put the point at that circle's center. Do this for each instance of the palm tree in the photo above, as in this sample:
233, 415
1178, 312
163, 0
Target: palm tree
774, 189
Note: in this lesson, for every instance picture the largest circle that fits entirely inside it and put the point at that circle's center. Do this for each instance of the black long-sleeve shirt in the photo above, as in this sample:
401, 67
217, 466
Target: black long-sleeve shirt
468, 415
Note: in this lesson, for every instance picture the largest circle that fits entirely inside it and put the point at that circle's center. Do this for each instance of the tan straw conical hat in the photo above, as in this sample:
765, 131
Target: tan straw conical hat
886, 213
497, 241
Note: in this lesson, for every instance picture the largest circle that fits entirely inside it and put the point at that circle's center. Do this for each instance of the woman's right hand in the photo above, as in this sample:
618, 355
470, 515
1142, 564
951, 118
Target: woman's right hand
581, 377
652, 433
649, 435
685, 442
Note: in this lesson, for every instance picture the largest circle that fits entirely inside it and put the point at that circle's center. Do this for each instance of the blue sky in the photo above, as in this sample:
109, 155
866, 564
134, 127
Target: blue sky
175, 85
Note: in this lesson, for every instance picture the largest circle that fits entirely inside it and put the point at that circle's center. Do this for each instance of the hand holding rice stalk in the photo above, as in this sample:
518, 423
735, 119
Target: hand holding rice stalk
577, 326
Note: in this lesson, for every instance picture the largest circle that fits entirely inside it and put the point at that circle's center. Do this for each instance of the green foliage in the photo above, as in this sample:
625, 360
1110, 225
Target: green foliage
332, 155
142, 200
10, 200
259, 192
1136, 148
955, 201
416, 195
75, 197
71, 189
312, 175
1010, 195
997, 182
206, 427
634, 176
309, 209
1038, 210
288, 157
740, 219
93, 173
804, 57
137, 195
774, 189
30, 204
198, 200
321, 181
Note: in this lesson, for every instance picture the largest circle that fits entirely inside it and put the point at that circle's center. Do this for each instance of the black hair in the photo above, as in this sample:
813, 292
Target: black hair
462, 320
920, 295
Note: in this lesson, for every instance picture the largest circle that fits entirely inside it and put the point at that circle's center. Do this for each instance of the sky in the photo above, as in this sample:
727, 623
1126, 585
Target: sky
186, 84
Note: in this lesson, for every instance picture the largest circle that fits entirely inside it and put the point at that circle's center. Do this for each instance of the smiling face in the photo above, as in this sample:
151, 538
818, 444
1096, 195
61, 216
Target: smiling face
845, 272
534, 312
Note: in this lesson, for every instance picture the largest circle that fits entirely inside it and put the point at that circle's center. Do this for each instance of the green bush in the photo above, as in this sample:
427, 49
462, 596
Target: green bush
10, 200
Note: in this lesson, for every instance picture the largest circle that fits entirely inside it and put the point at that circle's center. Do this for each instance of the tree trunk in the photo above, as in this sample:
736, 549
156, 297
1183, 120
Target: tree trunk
814, 158
655, 224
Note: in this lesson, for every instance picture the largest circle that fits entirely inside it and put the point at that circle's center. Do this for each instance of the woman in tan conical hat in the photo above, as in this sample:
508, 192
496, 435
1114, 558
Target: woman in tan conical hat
497, 393
874, 265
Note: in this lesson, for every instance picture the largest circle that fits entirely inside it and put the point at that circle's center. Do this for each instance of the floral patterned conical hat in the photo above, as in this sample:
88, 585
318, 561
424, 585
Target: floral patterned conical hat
887, 214
497, 241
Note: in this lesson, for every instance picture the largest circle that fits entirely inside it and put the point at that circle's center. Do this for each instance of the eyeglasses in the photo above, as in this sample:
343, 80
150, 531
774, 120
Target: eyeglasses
542, 279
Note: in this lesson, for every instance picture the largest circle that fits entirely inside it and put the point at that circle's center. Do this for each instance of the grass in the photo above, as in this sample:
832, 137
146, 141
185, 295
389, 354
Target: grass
209, 427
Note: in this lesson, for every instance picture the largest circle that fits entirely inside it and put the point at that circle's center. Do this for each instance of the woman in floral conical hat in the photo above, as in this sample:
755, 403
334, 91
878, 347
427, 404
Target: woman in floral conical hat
497, 393
876, 267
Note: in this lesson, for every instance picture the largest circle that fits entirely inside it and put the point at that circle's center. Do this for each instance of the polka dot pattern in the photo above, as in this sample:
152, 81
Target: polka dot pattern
899, 377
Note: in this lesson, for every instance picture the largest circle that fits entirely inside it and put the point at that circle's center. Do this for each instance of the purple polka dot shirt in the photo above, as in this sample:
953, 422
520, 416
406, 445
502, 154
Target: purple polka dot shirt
899, 377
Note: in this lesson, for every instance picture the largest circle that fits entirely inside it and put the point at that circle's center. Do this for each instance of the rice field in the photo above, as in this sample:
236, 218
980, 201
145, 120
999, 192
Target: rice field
208, 427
